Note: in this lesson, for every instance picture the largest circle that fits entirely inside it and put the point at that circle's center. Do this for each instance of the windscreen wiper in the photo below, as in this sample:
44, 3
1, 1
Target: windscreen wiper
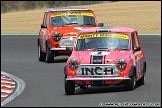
121, 49
87, 24
70, 23
99, 49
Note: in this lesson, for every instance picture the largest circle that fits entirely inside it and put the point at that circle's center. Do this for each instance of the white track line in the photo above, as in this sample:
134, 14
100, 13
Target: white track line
20, 87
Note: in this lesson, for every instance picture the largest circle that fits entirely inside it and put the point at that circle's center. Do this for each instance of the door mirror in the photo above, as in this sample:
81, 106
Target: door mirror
100, 24
137, 48
43, 26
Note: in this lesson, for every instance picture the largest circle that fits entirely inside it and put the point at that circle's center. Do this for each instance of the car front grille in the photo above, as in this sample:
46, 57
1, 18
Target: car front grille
67, 41
97, 70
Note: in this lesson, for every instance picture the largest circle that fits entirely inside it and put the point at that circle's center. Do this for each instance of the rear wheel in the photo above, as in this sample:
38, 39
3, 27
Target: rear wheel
49, 55
69, 87
41, 55
141, 81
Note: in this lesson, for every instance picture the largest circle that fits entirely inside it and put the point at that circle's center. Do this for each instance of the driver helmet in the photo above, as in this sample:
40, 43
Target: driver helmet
91, 43
57, 20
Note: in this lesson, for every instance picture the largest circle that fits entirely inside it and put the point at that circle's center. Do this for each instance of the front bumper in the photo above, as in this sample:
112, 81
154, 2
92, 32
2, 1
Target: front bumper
94, 79
56, 49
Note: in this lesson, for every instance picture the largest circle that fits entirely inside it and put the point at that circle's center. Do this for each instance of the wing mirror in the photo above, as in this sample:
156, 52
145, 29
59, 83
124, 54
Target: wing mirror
43, 26
137, 48
100, 24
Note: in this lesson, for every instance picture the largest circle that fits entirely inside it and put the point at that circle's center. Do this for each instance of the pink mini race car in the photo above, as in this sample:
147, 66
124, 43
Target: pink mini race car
104, 56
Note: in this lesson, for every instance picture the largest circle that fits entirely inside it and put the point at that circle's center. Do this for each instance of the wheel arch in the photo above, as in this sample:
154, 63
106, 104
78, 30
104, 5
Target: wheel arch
48, 43
144, 66
38, 41
65, 71
132, 71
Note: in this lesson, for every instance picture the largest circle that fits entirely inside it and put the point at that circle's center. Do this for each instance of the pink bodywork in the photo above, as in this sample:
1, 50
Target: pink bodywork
84, 57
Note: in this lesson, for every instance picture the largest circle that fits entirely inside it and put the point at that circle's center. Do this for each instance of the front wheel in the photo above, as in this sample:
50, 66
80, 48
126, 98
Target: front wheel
41, 55
49, 56
130, 85
69, 87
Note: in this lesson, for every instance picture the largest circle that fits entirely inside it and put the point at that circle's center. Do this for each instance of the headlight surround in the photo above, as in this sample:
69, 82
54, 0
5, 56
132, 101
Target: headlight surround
73, 63
57, 36
121, 64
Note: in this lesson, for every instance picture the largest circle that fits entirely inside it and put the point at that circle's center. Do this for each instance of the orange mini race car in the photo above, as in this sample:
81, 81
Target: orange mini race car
59, 30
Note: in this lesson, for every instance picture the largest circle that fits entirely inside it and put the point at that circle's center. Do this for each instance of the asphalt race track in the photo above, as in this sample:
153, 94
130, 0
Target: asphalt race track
44, 83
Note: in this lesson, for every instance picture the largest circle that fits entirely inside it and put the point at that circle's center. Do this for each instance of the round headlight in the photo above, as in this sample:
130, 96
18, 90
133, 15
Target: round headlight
121, 64
57, 36
73, 63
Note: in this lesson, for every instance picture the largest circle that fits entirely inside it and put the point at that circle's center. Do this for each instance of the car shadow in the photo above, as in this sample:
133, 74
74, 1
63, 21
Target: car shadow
103, 89
96, 89
60, 60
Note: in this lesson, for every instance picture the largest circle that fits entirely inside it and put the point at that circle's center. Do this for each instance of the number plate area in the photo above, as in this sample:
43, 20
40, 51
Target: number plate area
97, 70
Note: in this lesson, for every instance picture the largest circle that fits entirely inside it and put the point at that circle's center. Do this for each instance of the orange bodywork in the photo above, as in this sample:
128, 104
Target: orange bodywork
46, 37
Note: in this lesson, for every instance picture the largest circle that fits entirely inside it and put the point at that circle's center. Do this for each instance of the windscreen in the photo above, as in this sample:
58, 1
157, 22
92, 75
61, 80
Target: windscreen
102, 41
73, 18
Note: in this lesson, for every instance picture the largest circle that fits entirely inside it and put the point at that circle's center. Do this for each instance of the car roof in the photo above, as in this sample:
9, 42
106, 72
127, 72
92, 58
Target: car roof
66, 8
109, 29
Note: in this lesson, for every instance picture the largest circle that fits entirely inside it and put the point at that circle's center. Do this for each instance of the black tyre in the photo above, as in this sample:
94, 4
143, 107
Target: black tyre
49, 56
69, 87
141, 81
130, 85
41, 55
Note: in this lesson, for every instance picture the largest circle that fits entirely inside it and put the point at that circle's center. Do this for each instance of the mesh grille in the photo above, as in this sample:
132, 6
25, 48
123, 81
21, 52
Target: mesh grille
67, 41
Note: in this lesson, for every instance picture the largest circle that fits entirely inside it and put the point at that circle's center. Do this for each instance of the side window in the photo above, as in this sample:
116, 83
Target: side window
89, 20
136, 39
45, 18
133, 41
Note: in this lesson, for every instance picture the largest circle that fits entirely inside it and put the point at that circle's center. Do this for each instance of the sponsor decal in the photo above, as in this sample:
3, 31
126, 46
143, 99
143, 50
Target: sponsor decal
98, 35
79, 28
100, 53
96, 71
72, 34
55, 14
